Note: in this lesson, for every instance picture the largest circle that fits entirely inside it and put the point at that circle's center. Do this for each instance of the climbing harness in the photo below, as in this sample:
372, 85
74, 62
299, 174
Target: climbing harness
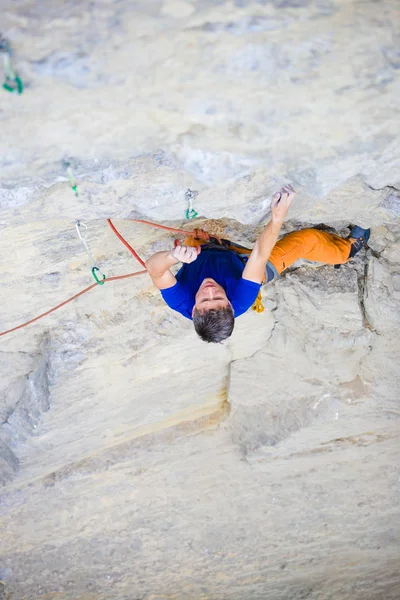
197, 235
67, 166
190, 195
12, 81
83, 239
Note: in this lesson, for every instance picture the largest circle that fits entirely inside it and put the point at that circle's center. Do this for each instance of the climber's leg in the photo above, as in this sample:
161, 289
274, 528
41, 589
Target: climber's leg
311, 244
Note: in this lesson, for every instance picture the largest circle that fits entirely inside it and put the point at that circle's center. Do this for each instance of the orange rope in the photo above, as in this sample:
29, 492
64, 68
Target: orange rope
135, 254
162, 227
196, 233
70, 300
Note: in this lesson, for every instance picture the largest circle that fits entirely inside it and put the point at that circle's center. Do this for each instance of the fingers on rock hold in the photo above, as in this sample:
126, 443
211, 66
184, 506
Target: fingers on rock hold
288, 188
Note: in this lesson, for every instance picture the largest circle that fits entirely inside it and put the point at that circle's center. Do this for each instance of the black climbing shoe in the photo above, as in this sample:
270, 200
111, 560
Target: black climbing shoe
359, 239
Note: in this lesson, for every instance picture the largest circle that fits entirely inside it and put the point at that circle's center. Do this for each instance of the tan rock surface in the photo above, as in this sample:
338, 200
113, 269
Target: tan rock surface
137, 461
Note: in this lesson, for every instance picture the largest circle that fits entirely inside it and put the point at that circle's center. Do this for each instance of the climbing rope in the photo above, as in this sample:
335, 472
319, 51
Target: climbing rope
12, 81
119, 236
91, 287
197, 233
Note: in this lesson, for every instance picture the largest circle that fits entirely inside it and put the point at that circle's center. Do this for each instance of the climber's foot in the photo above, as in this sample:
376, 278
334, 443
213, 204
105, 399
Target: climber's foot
359, 239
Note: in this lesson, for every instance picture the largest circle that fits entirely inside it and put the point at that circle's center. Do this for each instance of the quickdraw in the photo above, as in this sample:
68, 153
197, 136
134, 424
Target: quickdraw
190, 195
67, 166
13, 82
94, 268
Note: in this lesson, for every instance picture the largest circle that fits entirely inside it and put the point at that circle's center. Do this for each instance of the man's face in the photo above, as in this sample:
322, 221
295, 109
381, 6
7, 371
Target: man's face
210, 295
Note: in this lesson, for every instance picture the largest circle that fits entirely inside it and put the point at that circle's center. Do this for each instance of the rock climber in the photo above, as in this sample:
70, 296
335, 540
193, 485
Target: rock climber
216, 285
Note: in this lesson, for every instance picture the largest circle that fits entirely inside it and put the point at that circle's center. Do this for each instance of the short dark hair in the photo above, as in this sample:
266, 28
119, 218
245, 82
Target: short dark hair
214, 325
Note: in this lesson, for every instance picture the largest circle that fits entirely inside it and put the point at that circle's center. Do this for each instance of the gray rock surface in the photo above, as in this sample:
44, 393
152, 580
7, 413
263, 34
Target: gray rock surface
138, 462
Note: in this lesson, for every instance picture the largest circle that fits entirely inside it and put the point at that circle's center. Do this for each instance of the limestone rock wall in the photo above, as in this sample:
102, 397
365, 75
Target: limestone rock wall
137, 461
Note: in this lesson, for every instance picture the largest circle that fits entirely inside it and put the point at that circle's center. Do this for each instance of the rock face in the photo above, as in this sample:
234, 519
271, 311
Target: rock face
138, 462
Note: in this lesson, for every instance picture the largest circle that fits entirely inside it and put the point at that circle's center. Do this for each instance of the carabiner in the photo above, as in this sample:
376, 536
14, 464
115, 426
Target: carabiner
13, 84
78, 225
191, 213
190, 195
95, 276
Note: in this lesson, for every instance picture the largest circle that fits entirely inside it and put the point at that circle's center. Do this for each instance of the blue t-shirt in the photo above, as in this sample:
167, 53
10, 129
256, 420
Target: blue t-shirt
226, 268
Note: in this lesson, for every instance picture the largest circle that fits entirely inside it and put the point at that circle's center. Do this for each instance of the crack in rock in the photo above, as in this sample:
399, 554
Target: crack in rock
34, 399
361, 283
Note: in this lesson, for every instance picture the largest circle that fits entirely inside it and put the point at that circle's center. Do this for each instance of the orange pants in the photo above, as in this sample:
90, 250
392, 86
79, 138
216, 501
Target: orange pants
311, 244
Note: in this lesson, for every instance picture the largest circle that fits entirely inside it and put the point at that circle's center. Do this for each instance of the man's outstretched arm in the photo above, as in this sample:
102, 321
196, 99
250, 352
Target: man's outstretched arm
159, 264
255, 267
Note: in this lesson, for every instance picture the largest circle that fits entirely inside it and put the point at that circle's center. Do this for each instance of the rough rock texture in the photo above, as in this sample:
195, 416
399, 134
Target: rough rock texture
137, 462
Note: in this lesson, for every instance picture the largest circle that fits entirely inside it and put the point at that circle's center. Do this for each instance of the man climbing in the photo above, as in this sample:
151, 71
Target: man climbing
215, 284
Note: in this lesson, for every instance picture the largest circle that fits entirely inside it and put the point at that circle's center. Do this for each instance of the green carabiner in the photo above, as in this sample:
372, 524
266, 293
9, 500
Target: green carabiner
13, 84
189, 196
12, 81
74, 186
191, 213
95, 276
